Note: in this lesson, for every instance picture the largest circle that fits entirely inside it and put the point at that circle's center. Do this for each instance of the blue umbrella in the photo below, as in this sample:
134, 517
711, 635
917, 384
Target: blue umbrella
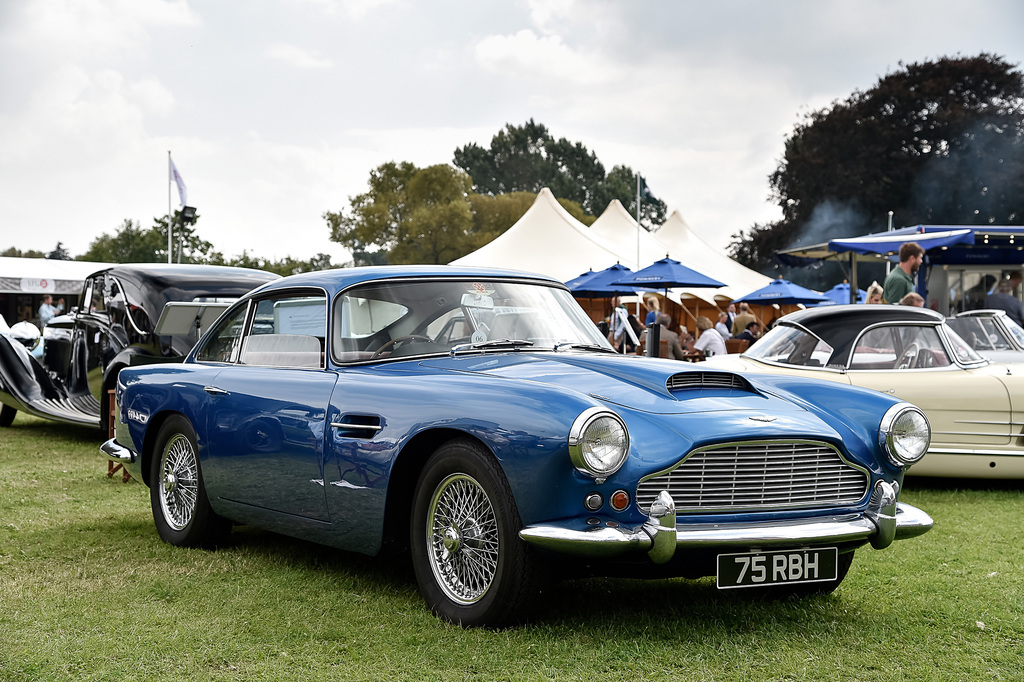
578, 282
783, 292
603, 283
668, 274
840, 294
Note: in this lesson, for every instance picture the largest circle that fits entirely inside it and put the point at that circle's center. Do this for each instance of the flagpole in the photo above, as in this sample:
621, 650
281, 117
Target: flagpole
170, 227
638, 237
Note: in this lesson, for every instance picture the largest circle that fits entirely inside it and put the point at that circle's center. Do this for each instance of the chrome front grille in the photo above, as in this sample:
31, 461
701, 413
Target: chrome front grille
757, 476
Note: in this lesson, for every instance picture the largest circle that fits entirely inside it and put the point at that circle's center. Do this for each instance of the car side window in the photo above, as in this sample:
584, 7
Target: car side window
287, 331
225, 341
97, 302
900, 347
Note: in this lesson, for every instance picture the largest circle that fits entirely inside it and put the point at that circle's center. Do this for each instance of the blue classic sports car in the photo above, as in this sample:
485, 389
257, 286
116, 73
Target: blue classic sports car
478, 421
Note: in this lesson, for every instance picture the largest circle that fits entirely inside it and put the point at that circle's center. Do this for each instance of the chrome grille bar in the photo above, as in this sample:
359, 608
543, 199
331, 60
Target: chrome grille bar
758, 475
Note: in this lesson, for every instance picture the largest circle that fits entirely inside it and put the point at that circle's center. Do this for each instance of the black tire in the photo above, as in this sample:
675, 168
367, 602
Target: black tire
471, 566
7, 416
181, 509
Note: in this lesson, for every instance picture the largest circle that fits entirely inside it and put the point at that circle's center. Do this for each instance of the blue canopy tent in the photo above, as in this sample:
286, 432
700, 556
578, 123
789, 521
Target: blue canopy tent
840, 293
603, 283
939, 242
667, 274
783, 292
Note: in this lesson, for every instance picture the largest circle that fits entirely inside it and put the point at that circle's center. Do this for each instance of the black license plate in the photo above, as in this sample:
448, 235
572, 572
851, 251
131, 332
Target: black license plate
783, 567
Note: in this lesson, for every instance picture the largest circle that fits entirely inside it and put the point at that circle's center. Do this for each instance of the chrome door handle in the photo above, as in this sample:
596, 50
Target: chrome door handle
213, 390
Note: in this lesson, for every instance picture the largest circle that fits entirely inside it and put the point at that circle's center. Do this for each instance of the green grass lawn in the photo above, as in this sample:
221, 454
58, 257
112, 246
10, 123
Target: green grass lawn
88, 591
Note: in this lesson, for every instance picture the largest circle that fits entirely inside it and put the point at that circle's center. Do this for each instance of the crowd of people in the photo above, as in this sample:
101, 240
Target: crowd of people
627, 334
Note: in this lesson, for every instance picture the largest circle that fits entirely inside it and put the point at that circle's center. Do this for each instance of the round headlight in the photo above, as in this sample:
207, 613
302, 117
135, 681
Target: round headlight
905, 433
598, 442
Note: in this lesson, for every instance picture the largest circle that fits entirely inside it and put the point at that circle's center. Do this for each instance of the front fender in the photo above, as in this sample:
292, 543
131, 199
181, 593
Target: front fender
22, 379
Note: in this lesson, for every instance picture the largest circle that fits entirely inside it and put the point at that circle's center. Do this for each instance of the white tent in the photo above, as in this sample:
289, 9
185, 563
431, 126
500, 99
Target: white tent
692, 251
616, 227
548, 240
45, 276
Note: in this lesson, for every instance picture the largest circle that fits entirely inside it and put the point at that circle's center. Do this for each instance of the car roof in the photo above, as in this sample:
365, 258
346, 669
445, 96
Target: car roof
840, 325
186, 274
986, 312
342, 278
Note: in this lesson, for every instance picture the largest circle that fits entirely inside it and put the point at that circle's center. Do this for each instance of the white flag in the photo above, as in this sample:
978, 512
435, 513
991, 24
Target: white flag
176, 176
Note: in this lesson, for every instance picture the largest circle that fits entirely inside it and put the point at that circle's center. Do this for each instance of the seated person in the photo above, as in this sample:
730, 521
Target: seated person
751, 334
710, 341
675, 347
913, 299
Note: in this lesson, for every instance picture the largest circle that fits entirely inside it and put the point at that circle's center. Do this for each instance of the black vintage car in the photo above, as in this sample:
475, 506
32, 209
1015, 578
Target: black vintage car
129, 314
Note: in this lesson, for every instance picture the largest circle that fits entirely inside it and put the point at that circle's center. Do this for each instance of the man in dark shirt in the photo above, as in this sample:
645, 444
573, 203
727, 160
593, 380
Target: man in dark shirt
752, 333
1003, 299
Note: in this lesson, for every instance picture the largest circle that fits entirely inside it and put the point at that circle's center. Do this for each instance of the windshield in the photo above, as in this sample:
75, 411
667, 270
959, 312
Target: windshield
984, 333
963, 352
790, 345
405, 318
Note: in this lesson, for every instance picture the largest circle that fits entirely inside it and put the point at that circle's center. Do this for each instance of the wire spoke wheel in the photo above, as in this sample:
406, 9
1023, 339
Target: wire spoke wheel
471, 566
179, 482
177, 494
462, 535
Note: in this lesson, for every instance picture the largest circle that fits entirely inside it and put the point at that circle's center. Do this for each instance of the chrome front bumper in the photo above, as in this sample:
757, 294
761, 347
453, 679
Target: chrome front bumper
116, 452
884, 521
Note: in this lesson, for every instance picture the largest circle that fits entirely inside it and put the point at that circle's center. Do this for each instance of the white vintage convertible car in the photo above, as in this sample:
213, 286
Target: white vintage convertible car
975, 406
992, 333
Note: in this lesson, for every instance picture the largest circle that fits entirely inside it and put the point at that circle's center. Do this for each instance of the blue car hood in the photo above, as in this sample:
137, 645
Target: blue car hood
633, 382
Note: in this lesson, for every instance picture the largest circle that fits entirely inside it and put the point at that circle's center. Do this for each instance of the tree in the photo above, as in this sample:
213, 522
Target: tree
935, 142
527, 158
409, 215
188, 246
285, 266
13, 252
59, 253
130, 243
621, 184
413, 215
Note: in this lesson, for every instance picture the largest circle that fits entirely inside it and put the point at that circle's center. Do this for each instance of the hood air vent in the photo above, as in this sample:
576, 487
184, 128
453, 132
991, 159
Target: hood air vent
684, 380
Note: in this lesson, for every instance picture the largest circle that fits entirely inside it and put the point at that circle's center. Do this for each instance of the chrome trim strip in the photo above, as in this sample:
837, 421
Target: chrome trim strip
990, 434
601, 541
974, 452
364, 427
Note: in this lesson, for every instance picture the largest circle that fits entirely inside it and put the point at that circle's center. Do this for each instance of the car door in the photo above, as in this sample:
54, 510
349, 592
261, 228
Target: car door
91, 343
910, 362
268, 406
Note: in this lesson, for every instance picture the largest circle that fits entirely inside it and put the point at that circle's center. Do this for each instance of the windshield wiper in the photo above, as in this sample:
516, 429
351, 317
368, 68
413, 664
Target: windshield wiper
493, 343
582, 346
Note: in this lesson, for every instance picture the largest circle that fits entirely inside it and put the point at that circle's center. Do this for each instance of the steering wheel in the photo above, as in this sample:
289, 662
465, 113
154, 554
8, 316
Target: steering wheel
394, 342
909, 357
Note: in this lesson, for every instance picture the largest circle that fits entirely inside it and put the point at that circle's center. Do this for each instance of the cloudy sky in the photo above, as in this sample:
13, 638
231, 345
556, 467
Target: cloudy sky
275, 111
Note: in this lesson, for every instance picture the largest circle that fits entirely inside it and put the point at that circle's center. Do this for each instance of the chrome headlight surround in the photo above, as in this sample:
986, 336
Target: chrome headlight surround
598, 443
905, 434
